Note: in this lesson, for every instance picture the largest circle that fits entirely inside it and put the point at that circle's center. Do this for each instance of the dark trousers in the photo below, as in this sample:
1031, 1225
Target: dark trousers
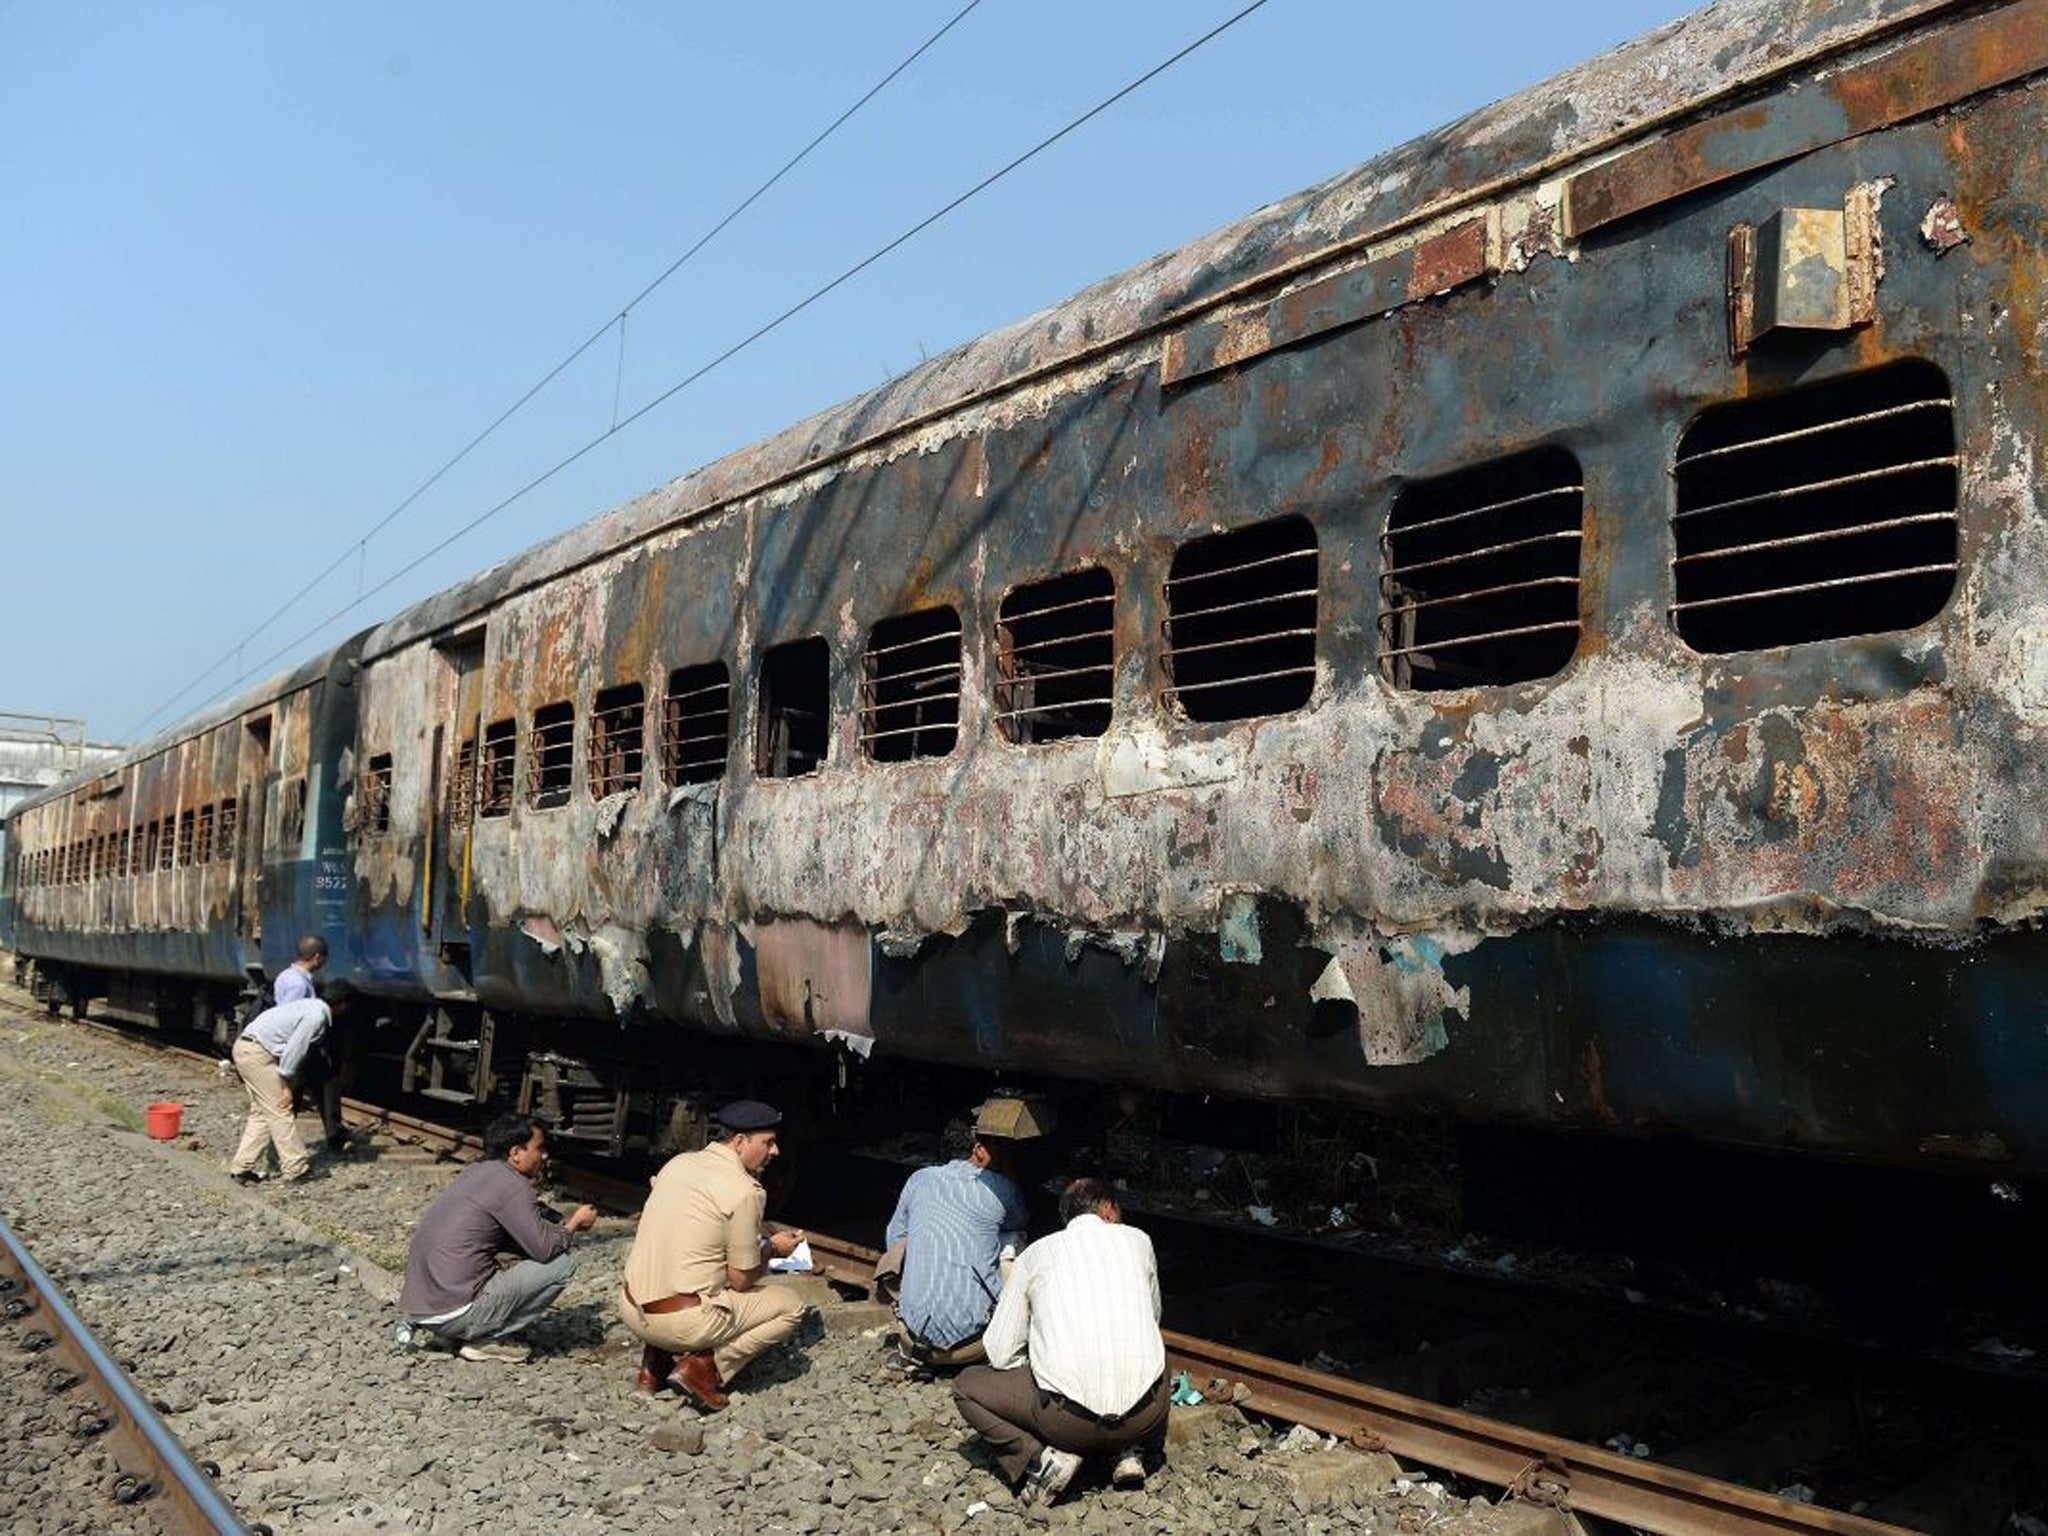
1018, 1418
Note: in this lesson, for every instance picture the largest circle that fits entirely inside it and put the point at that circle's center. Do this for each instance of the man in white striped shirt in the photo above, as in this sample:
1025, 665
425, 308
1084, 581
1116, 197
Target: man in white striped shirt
1076, 1364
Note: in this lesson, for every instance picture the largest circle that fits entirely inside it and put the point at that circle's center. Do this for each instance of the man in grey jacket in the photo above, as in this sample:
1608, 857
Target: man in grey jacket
453, 1285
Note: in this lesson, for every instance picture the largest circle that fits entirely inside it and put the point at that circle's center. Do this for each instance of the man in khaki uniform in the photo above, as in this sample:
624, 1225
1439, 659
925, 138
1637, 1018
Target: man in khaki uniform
690, 1293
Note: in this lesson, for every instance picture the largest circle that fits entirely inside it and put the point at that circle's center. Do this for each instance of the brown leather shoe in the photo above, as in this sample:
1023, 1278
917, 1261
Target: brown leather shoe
696, 1377
655, 1364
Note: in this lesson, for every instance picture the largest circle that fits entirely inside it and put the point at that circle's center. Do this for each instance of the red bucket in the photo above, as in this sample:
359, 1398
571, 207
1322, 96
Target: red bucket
163, 1120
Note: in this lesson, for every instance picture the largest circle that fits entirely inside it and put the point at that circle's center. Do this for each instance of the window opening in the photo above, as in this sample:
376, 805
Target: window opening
202, 837
375, 816
696, 723
224, 832
1825, 512
796, 706
295, 813
1056, 657
186, 821
910, 686
462, 785
1479, 575
167, 846
1240, 629
551, 755
618, 739
494, 782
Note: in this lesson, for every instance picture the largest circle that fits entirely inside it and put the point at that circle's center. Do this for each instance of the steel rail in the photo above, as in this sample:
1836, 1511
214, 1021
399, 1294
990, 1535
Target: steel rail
1533, 1466
151, 1459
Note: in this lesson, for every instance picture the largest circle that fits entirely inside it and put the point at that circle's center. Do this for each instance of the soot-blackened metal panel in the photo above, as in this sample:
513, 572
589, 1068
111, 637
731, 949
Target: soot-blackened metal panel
1632, 895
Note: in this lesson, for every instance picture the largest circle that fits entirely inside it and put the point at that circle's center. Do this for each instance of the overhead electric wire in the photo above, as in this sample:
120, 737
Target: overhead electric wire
616, 319
747, 341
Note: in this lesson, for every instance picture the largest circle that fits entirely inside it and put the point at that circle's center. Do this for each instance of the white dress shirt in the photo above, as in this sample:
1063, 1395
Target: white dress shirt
1083, 1307
288, 1031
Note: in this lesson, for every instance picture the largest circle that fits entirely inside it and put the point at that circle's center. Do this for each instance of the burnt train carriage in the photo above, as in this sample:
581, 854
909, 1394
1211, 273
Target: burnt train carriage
1547, 626
162, 882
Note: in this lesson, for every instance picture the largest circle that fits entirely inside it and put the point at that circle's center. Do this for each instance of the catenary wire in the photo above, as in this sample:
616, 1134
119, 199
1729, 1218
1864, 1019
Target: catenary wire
739, 346
618, 320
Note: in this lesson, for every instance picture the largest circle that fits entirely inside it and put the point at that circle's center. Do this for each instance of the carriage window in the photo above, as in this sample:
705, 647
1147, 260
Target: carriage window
796, 708
696, 723
462, 783
224, 832
910, 686
202, 836
1056, 657
167, 845
375, 814
1241, 621
186, 826
551, 755
1479, 580
618, 736
494, 781
295, 812
1825, 512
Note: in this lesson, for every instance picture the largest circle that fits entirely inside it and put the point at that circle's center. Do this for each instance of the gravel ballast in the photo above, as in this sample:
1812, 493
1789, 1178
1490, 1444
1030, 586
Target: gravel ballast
259, 1321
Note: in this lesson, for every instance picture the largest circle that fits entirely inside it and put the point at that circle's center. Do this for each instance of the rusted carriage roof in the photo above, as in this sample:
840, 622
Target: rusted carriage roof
1629, 92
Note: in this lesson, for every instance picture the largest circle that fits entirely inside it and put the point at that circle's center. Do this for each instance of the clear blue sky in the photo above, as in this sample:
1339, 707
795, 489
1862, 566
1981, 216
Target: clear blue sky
264, 266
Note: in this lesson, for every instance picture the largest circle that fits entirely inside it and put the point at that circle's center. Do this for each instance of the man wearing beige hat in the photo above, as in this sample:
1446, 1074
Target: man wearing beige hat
691, 1294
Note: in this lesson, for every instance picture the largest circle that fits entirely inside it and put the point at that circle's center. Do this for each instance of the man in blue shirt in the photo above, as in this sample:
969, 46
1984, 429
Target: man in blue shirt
294, 983
953, 1222
268, 1058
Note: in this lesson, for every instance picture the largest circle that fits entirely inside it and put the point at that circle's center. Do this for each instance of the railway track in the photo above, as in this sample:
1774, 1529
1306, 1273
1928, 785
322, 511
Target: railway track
1530, 1465
58, 1355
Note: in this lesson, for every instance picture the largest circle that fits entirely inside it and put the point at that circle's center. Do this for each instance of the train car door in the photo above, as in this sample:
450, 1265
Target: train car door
452, 796
254, 775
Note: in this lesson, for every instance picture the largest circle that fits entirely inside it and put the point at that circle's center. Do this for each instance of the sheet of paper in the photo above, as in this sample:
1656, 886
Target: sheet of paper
798, 1262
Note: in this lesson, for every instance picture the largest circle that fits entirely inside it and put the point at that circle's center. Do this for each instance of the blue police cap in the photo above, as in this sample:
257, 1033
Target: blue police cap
750, 1115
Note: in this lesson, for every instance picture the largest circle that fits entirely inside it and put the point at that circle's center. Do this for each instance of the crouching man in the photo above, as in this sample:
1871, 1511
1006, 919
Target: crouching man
1076, 1366
692, 1294
453, 1285
952, 1226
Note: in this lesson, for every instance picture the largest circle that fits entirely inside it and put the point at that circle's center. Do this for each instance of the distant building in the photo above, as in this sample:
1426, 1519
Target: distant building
38, 750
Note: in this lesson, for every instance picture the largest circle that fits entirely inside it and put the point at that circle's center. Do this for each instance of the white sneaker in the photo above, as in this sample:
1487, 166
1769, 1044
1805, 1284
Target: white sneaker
1130, 1471
1048, 1477
497, 1351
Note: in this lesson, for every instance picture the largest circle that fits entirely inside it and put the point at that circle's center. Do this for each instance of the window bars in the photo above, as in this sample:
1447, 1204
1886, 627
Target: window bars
551, 755
1825, 512
462, 783
375, 815
1056, 657
910, 686
1240, 631
696, 723
494, 780
1479, 574
618, 740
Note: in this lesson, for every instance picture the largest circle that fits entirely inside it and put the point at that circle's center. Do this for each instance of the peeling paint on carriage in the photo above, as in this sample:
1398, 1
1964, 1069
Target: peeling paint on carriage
1780, 895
